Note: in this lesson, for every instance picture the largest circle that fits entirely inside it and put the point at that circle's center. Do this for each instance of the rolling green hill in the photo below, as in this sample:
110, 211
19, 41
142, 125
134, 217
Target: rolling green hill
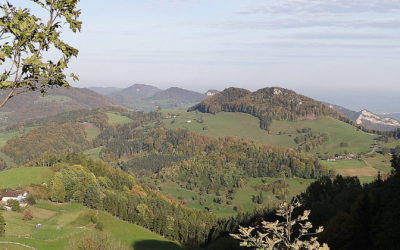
342, 137
281, 133
267, 104
63, 224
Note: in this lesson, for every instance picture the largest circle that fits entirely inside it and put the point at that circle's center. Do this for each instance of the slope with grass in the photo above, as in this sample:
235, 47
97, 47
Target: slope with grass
342, 137
17, 177
282, 133
115, 118
65, 223
241, 197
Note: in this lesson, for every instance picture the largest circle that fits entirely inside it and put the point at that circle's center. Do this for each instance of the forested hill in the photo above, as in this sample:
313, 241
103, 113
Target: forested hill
34, 105
267, 104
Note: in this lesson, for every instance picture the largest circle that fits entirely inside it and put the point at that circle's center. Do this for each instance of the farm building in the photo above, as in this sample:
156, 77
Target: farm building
17, 195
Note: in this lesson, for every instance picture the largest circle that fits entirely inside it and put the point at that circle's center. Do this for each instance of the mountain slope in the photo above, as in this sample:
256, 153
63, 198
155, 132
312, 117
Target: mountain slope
147, 97
368, 119
371, 120
175, 98
105, 90
267, 104
391, 115
34, 105
133, 95
353, 115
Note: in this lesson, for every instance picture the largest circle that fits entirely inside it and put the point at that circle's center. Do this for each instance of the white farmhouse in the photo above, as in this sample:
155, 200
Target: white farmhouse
17, 195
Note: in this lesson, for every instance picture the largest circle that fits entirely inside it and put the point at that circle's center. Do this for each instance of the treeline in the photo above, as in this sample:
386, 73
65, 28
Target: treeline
309, 140
47, 140
65, 132
356, 216
267, 104
100, 186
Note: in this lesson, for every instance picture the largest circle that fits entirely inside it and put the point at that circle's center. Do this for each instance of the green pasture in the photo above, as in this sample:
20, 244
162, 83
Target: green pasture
16, 177
64, 223
115, 118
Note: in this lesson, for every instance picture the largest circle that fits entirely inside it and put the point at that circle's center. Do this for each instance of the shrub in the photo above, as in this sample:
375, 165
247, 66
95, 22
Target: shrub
31, 200
99, 226
27, 215
14, 204
96, 241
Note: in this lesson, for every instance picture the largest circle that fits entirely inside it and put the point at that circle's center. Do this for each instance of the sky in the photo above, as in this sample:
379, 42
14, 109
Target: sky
346, 52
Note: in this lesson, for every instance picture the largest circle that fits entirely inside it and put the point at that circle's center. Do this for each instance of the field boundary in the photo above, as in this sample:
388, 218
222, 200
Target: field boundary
16, 243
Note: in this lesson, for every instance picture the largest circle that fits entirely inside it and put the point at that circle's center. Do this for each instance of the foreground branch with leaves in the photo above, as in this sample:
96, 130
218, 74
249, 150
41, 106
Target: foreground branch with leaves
32, 53
288, 233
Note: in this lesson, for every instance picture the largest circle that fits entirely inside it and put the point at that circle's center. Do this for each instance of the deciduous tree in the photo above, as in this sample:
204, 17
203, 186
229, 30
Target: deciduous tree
29, 45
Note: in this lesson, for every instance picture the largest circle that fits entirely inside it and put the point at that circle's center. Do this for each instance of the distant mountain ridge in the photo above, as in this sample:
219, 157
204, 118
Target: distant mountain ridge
394, 115
134, 94
148, 97
33, 105
105, 90
267, 104
368, 119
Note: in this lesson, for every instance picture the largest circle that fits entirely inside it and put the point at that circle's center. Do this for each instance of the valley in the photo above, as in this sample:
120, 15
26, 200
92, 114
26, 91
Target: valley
199, 125
221, 164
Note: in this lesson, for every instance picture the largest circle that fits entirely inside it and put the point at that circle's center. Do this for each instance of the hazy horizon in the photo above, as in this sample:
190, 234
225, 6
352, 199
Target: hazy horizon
350, 102
339, 51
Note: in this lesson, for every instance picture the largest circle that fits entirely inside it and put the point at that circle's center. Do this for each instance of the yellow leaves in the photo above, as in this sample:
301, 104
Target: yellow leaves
6, 84
35, 60
137, 189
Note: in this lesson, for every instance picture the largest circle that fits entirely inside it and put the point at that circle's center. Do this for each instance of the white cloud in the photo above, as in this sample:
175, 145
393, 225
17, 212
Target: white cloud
324, 6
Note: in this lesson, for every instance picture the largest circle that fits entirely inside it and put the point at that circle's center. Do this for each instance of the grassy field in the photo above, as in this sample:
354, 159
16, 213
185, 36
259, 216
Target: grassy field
114, 118
354, 167
63, 224
4, 137
94, 152
281, 133
16, 177
91, 133
242, 198
379, 161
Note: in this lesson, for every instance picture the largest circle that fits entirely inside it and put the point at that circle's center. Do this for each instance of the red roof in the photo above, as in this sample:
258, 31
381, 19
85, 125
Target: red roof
12, 193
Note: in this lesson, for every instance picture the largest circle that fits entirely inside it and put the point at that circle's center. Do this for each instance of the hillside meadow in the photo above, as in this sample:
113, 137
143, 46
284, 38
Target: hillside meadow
281, 133
62, 224
17, 177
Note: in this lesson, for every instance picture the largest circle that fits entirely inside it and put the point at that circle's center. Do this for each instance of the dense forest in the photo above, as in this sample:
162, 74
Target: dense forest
47, 140
357, 216
196, 161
